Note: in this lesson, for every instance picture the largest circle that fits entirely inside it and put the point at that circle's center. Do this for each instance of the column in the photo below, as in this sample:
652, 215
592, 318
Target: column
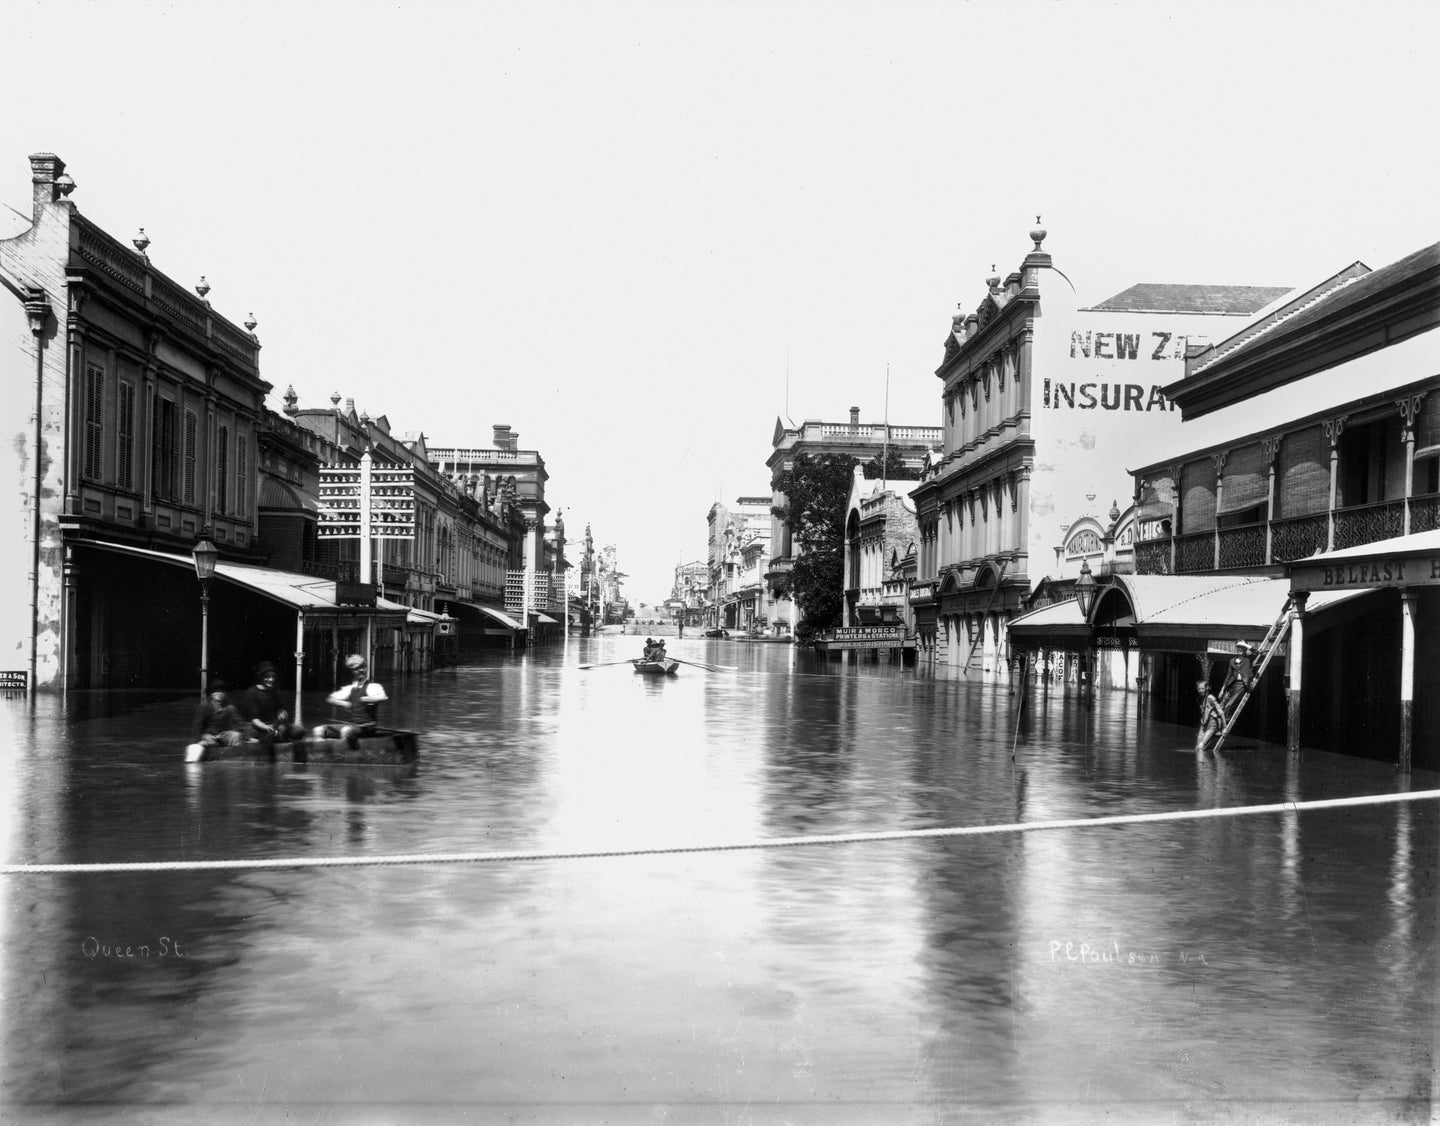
1333, 429
1295, 663
1219, 461
1407, 678
1409, 408
1270, 447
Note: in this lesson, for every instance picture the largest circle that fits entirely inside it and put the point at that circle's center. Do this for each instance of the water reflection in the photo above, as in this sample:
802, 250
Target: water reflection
1264, 966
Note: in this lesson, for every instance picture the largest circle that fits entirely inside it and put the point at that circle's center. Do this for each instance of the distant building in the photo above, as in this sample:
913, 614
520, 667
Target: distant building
881, 532
739, 550
535, 587
866, 442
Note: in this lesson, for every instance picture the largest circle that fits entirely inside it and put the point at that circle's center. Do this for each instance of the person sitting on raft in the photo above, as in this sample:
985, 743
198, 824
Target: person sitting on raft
362, 697
217, 721
261, 706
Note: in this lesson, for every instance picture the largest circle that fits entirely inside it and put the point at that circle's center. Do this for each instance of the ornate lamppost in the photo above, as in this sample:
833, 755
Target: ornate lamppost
1085, 595
204, 553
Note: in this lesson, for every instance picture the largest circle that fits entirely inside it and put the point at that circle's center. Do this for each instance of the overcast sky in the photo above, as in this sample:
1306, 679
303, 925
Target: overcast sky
619, 227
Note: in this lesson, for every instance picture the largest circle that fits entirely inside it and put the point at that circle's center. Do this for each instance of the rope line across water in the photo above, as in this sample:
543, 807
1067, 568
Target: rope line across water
668, 850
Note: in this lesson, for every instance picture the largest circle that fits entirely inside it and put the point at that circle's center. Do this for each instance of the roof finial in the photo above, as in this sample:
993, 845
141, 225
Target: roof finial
1039, 233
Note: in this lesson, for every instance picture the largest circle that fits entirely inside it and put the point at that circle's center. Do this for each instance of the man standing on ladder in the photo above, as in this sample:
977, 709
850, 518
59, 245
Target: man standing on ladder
1239, 676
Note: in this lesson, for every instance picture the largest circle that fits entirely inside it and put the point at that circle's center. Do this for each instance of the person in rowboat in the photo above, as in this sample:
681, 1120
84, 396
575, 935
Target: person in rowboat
362, 697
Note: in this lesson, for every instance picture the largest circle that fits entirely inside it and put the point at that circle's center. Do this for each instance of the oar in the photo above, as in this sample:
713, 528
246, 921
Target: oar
605, 664
707, 668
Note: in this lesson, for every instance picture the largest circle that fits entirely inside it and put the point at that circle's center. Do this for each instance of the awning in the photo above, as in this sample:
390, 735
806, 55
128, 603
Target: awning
278, 495
414, 616
539, 617
305, 593
490, 612
1403, 561
1057, 626
1165, 613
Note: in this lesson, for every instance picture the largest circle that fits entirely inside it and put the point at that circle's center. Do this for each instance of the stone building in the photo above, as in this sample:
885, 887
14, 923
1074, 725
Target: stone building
1044, 404
145, 431
881, 533
866, 442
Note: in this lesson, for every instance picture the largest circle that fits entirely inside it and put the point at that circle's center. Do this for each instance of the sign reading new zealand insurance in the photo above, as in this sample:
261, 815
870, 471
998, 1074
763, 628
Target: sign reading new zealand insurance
1098, 407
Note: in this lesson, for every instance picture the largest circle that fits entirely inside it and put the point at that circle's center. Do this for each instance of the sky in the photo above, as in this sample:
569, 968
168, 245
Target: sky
639, 233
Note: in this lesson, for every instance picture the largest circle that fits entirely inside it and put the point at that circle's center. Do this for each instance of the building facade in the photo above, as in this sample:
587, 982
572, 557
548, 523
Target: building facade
1044, 405
1315, 462
881, 534
866, 442
147, 434
739, 549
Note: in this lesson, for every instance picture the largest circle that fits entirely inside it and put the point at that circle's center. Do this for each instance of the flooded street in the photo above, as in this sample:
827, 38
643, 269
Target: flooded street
1269, 968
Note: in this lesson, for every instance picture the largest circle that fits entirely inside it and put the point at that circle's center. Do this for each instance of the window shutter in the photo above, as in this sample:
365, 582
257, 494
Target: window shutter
1427, 424
125, 458
94, 419
1247, 479
1304, 485
1197, 491
222, 466
191, 425
1157, 500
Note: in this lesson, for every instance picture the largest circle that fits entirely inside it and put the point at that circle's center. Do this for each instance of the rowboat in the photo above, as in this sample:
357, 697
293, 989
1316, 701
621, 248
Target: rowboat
666, 666
382, 747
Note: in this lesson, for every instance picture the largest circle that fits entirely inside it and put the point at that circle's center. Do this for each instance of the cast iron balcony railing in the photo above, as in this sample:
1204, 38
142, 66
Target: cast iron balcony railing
1298, 537
1195, 552
1152, 557
1425, 513
1367, 523
1290, 539
1241, 547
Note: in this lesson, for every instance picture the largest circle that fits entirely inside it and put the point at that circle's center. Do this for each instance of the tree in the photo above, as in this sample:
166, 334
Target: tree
816, 491
894, 467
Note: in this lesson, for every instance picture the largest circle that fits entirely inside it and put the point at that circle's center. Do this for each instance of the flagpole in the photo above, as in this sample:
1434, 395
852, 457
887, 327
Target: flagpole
885, 449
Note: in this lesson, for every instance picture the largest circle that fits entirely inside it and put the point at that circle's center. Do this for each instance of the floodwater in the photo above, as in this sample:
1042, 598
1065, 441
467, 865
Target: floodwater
1268, 968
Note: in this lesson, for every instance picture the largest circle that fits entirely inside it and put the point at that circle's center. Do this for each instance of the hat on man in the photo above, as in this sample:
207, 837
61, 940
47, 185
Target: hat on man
354, 661
218, 685
1243, 645
263, 668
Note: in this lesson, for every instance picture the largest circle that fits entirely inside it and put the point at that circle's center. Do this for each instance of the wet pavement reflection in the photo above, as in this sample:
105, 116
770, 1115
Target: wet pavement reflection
1267, 968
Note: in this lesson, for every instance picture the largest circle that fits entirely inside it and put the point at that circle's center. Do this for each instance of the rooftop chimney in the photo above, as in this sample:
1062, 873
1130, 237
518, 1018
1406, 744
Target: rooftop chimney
854, 416
505, 438
46, 171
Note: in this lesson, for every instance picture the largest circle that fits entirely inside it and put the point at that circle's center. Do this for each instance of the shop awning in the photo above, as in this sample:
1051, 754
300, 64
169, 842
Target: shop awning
1403, 561
1057, 626
546, 618
278, 495
1159, 613
414, 616
305, 593
498, 616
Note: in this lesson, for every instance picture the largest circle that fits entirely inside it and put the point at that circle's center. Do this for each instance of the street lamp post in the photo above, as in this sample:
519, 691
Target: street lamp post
1085, 595
205, 554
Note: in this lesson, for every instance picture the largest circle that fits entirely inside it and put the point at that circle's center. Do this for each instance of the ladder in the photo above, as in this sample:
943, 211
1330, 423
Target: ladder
1266, 651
